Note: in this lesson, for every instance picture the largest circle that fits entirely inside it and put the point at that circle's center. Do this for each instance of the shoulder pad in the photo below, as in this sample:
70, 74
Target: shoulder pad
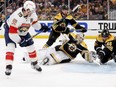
73, 35
84, 44
58, 16
110, 38
69, 17
99, 38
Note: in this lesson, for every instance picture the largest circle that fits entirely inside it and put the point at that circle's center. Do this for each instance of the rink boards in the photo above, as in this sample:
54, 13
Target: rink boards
94, 27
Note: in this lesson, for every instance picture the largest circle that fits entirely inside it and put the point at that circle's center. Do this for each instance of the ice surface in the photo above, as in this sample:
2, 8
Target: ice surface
78, 73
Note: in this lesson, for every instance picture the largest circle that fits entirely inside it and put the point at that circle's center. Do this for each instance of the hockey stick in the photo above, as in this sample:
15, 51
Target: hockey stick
75, 8
72, 11
34, 35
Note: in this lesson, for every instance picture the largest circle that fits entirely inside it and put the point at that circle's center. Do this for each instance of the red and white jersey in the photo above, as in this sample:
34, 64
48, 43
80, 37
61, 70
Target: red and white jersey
19, 25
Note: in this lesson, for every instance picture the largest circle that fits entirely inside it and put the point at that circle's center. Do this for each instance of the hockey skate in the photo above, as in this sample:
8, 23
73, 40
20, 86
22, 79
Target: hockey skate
35, 66
113, 57
8, 70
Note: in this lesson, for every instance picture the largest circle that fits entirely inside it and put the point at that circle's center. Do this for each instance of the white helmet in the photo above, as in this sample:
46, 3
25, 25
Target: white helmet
29, 5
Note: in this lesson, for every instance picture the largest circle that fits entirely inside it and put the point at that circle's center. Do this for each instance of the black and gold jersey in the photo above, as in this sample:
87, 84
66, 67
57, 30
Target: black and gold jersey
71, 48
101, 42
62, 25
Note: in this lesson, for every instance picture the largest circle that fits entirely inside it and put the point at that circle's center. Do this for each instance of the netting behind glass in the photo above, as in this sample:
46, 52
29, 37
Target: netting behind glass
47, 9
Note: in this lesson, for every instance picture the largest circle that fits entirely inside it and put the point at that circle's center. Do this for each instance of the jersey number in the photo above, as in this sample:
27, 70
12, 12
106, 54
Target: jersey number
20, 14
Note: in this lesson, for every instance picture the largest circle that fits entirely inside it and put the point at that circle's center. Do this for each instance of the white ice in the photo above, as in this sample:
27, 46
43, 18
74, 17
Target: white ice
78, 73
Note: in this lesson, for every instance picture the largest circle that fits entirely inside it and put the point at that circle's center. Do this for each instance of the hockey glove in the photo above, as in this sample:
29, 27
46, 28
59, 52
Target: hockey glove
23, 43
60, 21
98, 50
101, 54
45, 28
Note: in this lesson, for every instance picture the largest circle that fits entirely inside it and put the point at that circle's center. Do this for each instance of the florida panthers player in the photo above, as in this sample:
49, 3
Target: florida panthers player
16, 32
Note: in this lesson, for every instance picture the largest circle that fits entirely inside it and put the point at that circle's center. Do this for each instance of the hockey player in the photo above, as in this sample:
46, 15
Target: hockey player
71, 47
105, 46
16, 32
60, 24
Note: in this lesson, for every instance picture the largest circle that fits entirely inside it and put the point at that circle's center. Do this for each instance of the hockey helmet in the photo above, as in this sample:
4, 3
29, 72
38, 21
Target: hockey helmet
29, 5
64, 7
105, 33
79, 37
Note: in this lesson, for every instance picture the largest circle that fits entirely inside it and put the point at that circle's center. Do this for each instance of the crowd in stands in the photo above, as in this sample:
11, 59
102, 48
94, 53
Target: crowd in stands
47, 9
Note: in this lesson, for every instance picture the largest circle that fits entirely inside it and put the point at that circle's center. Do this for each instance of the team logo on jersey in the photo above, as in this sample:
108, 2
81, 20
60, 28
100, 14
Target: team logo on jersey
72, 47
24, 27
63, 25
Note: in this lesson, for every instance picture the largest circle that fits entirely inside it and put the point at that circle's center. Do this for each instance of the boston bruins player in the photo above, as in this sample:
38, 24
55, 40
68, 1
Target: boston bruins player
105, 46
67, 51
59, 26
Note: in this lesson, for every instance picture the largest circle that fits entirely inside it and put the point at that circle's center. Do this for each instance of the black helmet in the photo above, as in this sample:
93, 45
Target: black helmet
64, 7
105, 33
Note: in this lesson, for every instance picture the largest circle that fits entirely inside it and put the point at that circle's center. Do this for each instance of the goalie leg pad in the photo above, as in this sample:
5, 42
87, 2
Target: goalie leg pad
87, 57
90, 56
56, 57
93, 55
